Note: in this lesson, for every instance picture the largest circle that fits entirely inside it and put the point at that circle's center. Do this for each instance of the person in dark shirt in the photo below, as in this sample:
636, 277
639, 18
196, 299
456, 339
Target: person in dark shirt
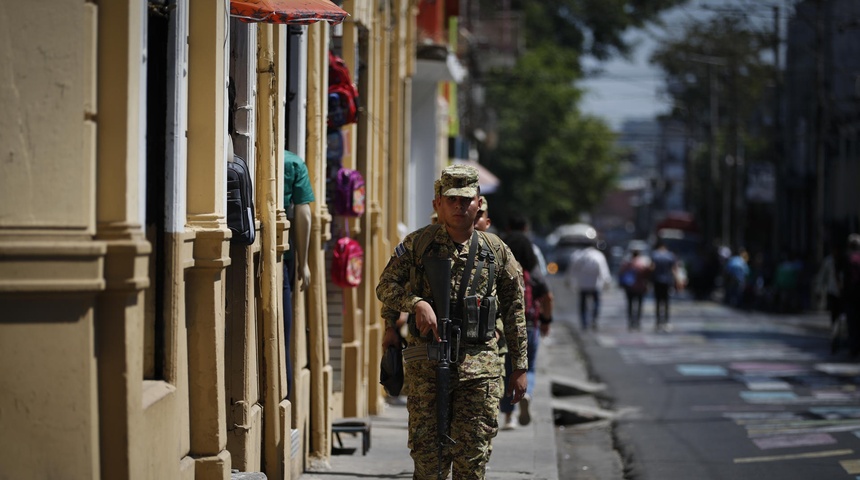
664, 267
538, 315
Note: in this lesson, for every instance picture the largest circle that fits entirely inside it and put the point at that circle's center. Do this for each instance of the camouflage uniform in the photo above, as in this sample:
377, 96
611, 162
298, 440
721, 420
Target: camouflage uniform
475, 379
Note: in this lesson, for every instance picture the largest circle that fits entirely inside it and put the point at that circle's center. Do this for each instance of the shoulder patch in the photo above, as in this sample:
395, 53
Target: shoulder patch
399, 250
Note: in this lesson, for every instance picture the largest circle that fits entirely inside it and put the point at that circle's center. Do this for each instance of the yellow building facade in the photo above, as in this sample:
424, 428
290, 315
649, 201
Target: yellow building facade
136, 341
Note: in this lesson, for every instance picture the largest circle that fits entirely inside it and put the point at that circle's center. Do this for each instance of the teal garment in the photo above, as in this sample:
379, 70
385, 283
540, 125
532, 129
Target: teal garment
297, 185
297, 182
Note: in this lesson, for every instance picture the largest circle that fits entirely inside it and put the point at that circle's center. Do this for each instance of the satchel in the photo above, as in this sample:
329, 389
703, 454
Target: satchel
391, 370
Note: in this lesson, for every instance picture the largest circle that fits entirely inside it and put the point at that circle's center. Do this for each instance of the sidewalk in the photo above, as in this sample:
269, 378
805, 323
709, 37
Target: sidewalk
526, 452
583, 449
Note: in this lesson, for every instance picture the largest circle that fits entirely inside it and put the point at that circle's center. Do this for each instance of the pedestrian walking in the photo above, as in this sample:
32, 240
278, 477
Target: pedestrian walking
664, 267
589, 272
829, 281
633, 278
457, 367
538, 311
482, 224
737, 273
851, 293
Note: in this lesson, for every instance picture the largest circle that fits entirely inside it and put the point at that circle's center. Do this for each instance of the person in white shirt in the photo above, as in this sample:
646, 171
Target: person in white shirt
589, 272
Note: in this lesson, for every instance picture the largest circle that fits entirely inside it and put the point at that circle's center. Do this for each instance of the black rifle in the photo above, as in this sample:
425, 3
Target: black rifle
438, 270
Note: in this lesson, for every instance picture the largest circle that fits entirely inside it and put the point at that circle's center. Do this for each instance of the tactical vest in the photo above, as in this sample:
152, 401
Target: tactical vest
474, 315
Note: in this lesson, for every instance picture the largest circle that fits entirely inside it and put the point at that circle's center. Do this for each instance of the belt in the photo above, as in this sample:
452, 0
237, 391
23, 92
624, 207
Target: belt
415, 352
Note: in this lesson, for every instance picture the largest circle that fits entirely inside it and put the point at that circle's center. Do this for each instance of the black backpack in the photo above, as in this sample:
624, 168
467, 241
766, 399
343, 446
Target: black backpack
240, 202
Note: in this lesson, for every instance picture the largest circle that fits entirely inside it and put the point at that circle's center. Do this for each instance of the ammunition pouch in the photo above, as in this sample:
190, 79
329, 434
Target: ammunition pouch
476, 320
479, 325
489, 307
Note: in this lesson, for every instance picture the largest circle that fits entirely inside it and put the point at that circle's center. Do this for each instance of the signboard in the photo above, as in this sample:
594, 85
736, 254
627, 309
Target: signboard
761, 183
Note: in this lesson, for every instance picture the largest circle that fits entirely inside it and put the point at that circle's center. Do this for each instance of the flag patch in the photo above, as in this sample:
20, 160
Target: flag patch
399, 250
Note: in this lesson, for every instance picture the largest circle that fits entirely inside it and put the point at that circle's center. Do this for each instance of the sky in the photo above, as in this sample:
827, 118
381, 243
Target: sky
630, 89
625, 89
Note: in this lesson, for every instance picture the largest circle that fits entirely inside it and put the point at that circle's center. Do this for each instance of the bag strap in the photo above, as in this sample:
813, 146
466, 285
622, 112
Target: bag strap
470, 261
491, 276
419, 247
482, 256
491, 266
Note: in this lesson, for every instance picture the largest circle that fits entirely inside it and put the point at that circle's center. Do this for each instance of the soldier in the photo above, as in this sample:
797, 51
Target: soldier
483, 222
434, 217
475, 384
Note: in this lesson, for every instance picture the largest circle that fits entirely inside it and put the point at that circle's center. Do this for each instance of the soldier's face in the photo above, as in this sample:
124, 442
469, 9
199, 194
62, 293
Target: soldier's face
458, 212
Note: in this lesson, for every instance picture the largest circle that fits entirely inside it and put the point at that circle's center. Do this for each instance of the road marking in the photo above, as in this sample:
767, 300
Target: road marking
749, 418
701, 370
774, 430
776, 458
770, 369
850, 466
836, 412
768, 396
737, 408
786, 441
762, 384
839, 369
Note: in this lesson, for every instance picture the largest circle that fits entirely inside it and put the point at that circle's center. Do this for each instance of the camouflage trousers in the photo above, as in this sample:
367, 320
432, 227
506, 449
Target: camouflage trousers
474, 423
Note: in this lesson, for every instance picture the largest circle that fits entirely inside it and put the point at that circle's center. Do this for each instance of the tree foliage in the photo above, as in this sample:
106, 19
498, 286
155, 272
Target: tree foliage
722, 54
719, 76
553, 162
589, 27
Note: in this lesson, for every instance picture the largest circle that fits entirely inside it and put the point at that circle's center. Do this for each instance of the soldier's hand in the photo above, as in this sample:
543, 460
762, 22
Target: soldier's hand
544, 329
425, 319
517, 385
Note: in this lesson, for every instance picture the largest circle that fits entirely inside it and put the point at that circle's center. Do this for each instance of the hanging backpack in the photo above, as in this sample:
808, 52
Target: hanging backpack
628, 277
240, 202
349, 193
342, 108
342, 93
334, 146
347, 263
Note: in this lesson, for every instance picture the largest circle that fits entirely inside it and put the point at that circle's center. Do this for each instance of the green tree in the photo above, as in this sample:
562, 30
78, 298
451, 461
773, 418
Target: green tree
553, 162
588, 27
718, 78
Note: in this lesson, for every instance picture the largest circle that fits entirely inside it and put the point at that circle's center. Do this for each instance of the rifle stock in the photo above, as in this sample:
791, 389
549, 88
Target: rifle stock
438, 270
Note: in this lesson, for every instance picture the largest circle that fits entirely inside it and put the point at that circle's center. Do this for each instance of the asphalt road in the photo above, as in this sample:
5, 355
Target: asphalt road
726, 394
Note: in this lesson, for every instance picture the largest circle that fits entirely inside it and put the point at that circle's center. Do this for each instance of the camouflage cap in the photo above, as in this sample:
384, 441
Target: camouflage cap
483, 204
459, 181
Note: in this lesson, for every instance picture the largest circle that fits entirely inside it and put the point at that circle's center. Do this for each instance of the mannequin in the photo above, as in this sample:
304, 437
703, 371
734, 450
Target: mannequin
301, 228
298, 194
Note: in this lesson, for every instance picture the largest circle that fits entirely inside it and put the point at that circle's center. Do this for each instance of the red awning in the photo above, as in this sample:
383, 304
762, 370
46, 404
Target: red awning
293, 12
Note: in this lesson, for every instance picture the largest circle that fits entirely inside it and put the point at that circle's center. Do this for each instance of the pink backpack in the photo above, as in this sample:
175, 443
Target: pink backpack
347, 263
349, 193
342, 93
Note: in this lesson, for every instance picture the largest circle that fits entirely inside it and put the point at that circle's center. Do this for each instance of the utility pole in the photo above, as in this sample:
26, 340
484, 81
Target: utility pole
712, 152
821, 119
712, 63
778, 147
